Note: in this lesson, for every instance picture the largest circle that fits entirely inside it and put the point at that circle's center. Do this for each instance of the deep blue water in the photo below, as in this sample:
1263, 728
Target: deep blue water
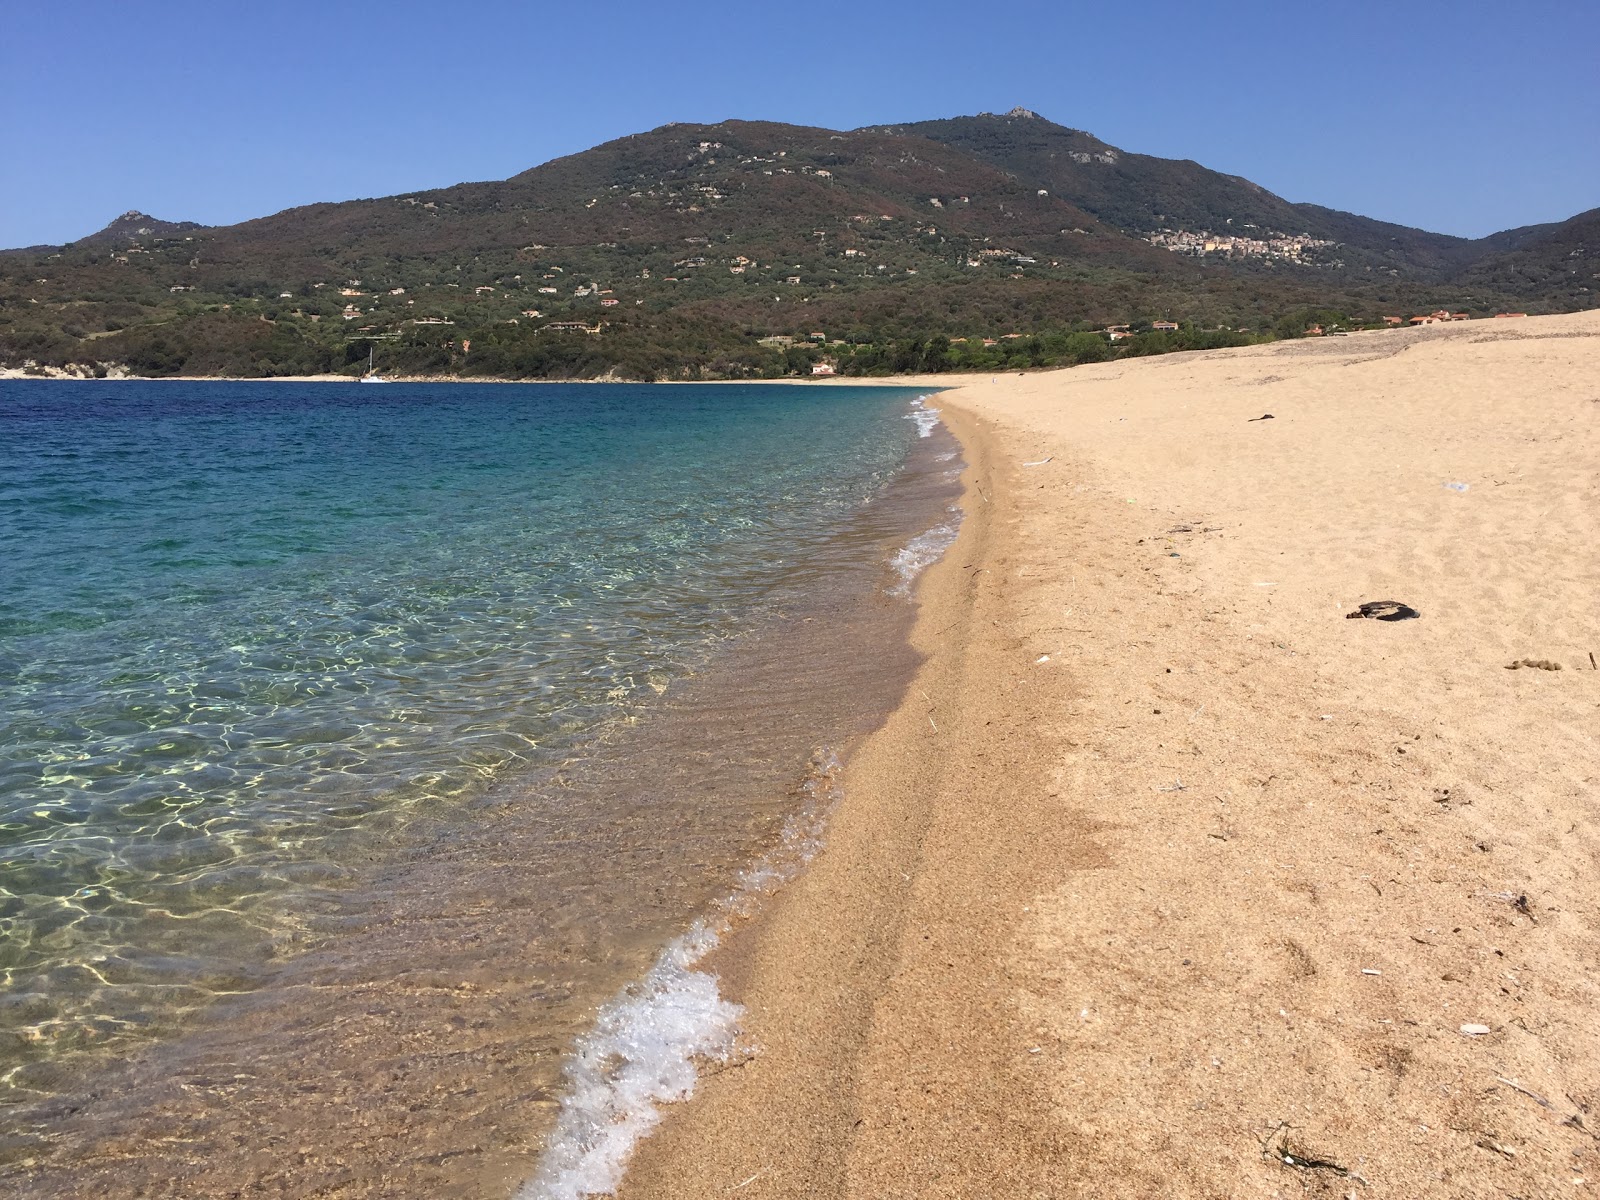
245, 627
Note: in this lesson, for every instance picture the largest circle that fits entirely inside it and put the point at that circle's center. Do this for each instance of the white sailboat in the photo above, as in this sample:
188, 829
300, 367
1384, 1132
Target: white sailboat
372, 376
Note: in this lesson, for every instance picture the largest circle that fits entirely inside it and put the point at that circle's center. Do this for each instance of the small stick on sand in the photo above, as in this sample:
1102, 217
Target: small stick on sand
1517, 1087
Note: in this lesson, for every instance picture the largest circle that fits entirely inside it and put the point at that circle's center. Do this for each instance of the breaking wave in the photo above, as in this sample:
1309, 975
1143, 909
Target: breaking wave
927, 419
647, 1042
921, 552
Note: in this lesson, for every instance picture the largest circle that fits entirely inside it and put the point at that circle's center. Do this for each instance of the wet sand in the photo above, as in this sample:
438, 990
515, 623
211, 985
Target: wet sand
1169, 880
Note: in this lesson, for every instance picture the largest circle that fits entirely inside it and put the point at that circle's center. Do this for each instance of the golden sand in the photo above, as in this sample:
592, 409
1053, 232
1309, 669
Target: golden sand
1166, 872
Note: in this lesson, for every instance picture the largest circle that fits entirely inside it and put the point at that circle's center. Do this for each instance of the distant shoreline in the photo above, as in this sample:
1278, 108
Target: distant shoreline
1486, 328
16, 373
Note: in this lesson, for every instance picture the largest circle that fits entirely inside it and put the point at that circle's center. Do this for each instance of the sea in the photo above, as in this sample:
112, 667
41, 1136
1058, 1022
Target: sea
379, 763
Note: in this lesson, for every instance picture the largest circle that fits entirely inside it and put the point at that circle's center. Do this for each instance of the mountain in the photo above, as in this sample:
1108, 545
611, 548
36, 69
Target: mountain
1558, 263
727, 248
805, 199
1143, 195
134, 227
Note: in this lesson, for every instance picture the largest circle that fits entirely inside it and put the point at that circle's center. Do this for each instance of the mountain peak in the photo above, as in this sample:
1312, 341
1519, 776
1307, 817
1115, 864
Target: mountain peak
1017, 112
133, 225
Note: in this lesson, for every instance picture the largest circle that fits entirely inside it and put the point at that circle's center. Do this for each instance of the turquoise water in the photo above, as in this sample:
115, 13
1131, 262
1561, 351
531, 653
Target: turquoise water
248, 631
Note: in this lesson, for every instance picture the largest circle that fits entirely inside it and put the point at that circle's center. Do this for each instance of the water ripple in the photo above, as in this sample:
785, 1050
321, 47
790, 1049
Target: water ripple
246, 631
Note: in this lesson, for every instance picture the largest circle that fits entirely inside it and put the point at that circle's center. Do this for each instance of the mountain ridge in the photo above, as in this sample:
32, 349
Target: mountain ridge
1142, 194
690, 243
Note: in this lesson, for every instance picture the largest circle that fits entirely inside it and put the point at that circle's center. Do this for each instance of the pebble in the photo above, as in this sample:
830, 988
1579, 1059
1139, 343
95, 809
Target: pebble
1475, 1030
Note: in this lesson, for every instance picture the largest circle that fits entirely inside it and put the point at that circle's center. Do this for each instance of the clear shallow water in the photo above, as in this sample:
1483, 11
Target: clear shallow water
248, 630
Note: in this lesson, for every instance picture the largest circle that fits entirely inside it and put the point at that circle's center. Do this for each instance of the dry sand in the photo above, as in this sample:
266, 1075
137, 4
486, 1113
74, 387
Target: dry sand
1224, 878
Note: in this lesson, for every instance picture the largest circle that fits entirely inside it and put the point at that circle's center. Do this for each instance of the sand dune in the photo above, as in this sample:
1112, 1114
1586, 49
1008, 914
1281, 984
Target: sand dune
1221, 881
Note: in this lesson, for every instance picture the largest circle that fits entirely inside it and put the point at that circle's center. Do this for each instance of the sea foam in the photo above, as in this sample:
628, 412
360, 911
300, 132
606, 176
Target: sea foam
647, 1042
927, 419
921, 552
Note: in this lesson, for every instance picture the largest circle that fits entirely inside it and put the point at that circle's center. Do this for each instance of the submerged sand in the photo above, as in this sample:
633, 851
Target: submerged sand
1169, 880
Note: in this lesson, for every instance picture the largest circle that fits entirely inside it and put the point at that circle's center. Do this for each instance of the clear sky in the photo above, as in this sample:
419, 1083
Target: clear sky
1463, 117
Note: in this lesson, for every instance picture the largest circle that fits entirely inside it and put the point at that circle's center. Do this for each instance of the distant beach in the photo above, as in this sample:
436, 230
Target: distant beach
1175, 874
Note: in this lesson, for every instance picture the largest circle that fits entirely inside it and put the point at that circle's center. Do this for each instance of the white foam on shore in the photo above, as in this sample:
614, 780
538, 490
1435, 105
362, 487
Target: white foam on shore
927, 547
647, 1042
927, 419
921, 552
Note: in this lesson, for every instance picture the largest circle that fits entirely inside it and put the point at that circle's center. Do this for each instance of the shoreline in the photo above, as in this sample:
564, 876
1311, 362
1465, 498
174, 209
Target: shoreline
17, 373
466, 961
1162, 871
1166, 879
1484, 326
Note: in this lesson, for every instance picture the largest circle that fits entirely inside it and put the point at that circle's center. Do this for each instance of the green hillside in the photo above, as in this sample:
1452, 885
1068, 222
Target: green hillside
753, 249
1143, 195
1558, 263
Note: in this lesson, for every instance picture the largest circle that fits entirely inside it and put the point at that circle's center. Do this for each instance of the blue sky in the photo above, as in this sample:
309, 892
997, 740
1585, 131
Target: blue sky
1463, 118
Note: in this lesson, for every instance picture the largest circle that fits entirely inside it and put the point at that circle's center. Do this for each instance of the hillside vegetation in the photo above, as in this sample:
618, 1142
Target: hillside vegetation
755, 250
